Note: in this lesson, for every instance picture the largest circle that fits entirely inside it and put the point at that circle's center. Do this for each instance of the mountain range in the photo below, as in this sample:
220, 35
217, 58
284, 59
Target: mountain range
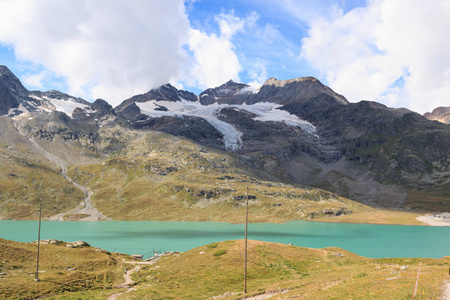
288, 133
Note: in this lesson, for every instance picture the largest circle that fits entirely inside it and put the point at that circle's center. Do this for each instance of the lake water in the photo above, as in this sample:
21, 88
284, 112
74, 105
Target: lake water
139, 237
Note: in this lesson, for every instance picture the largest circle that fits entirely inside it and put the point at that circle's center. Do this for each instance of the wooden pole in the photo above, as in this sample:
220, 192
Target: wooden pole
245, 251
417, 282
36, 278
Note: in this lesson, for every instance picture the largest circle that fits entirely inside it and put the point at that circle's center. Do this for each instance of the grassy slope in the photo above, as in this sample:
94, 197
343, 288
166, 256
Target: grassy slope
24, 179
289, 271
160, 177
155, 176
95, 270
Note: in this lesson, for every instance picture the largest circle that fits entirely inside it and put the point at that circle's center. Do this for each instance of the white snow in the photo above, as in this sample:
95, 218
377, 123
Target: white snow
232, 137
21, 108
252, 89
265, 112
67, 106
269, 112
35, 97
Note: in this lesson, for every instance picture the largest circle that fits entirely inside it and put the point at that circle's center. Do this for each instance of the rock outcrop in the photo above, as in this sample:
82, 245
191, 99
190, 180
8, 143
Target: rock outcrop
441, 114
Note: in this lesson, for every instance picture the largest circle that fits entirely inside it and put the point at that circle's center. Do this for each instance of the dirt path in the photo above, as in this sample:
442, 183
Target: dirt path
446, 291
129, 283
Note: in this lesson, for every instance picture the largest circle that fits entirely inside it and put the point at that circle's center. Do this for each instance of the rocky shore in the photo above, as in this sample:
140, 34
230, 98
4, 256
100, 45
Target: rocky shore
442, 219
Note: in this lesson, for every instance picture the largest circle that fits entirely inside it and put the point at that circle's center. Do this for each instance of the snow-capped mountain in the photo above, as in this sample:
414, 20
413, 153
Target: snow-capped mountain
364, 151
17, 102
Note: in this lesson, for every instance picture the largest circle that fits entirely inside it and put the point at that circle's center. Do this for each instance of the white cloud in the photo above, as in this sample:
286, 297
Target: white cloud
108, 49
392, 51
258, 74
271, 34
216, 61
35, 80
215, 55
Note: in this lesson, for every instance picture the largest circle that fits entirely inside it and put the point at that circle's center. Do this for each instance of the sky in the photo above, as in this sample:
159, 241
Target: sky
395, 52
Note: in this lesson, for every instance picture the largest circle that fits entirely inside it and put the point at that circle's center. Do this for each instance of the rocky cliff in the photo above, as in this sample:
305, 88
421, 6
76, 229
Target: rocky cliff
441, 114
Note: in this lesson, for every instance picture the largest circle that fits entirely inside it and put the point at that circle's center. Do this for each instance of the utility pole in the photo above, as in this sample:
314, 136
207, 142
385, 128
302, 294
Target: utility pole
245, 251
36, 278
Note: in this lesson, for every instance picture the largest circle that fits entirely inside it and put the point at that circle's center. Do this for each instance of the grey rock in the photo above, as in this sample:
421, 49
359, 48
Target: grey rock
441, 114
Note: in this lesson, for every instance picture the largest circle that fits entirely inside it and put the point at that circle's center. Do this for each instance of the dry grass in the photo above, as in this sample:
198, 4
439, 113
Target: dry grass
61, 269
379, 216
427, 201
287, 272
23, 182
282, 271
162, 178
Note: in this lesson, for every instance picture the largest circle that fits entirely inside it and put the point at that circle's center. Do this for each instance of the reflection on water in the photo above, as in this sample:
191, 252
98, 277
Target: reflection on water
136, 237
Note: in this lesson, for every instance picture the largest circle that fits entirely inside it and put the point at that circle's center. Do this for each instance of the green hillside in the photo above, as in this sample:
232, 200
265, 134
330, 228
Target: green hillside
216, 271
161, 177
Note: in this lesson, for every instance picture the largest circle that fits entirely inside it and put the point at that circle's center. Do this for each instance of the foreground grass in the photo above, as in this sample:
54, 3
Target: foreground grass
61, 270
287, 272
216, 270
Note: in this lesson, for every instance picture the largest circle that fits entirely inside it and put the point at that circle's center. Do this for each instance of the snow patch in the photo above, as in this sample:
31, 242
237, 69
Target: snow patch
265, 112
35, 97
270, 112
252, 89
232, 137
12, 112
67, 106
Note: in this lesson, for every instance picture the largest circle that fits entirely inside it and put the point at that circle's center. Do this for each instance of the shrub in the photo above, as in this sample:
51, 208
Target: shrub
220, 252
212, 245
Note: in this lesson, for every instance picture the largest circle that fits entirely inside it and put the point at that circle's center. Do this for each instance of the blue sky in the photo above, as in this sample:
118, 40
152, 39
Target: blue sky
391, 51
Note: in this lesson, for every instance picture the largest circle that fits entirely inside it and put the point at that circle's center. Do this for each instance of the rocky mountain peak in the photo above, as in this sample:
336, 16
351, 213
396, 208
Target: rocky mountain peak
166, 92
10, 81
228, 93
441, 114
12, 92
298, 90
282, 83
101, 104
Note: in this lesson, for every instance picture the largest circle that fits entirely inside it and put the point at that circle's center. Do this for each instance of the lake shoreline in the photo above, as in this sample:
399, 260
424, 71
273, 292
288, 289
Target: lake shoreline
429, 219
435, 219
143, 237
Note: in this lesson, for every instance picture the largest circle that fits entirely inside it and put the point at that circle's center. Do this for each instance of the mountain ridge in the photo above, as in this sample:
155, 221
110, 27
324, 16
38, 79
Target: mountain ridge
441, 114
296, 130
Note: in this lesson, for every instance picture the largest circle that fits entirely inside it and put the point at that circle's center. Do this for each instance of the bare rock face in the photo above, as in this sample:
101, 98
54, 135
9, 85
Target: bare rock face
165, 92
228, 93
299, 90
441, 114
77, 244
12, 92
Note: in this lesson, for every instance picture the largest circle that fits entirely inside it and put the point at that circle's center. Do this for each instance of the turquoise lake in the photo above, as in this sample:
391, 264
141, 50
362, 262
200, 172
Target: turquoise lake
140, 237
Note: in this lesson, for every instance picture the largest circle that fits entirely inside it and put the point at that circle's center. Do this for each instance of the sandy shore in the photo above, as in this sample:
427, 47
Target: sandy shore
435, 219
